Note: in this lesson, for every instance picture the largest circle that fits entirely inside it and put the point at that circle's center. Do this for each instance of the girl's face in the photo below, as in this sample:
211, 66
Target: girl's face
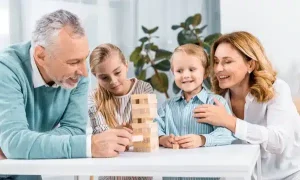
112, 75
230, 67
188, 72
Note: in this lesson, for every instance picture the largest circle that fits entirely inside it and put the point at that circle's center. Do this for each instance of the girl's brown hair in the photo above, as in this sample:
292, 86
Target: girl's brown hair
105, 101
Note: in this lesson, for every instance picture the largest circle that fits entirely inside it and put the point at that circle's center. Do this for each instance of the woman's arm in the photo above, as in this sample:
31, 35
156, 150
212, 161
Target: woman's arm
281, 117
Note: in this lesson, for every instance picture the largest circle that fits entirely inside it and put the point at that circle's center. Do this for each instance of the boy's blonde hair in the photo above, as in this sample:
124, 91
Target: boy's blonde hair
263, 75
105, 101
193, 50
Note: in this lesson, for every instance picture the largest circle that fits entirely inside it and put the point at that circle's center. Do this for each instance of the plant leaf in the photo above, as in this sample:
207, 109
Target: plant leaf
142, 75
185, 37
174, 27
162, 54
145, 30
210, 39
196, 19
188, 22
139, 66
135, 55
160, 82
176, 89
153, 30
200, 30
144, 39
163, 65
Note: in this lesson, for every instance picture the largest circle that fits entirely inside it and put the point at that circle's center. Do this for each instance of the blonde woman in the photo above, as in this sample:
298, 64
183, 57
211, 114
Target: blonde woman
109, 104
264, 112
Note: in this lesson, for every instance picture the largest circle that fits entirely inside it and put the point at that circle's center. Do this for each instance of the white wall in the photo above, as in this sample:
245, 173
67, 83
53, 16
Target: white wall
276, 24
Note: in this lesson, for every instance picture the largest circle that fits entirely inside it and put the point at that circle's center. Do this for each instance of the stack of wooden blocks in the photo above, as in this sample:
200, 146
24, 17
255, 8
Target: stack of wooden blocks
144, 110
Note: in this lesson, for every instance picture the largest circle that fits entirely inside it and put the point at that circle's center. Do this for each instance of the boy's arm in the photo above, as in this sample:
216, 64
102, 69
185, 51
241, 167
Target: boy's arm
16, 140
220, 135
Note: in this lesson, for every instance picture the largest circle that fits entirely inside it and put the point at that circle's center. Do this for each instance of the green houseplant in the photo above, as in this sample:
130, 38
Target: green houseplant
148, 55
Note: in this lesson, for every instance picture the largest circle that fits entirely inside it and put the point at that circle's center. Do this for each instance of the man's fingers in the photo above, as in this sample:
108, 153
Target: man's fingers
123, 141
123, 133
129, 130
119, 148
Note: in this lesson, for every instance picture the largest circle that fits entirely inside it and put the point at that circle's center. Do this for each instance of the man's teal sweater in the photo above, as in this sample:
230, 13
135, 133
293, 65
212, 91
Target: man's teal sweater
29, 116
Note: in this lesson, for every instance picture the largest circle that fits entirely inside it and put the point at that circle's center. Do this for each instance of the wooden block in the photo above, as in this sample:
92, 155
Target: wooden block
144, 113
175, 146
143, 98
142, 120
143, 106
144, 125
137, 138
151, 148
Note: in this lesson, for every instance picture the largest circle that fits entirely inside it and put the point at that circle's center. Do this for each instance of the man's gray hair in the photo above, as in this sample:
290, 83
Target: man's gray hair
50, 24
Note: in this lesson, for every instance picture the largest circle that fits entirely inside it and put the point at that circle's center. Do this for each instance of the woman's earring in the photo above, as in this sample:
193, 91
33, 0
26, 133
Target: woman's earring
249, 71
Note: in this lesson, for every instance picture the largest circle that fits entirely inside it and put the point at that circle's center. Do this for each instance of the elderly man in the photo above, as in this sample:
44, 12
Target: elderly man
43, 99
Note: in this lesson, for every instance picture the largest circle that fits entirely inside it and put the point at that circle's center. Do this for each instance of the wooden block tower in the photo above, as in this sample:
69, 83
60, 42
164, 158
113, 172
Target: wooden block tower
144, 110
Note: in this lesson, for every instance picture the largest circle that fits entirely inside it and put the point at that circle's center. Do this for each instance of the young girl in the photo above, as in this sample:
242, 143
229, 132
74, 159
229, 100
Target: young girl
109, 104
189, 65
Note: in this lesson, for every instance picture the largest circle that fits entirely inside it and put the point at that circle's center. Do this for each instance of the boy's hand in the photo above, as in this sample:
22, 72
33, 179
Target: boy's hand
167, 141
190, 141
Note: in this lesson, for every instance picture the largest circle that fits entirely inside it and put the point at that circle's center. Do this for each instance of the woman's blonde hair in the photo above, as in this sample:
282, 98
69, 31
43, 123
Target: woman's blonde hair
193, 50
106, 104
263, 76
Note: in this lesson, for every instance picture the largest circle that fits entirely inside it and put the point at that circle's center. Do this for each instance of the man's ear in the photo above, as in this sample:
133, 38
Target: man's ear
39, 55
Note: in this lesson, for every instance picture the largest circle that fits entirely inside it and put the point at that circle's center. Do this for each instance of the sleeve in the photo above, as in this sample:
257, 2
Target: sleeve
220, 135
148, 89
160, 119
17, 141
97, 120
75, 117
280, 119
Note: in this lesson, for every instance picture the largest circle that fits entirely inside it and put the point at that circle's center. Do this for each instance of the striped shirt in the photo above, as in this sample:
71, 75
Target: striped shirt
176, 117
123, 114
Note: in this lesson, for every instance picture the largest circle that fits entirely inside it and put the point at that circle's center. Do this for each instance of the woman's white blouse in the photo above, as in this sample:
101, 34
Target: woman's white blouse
275, 125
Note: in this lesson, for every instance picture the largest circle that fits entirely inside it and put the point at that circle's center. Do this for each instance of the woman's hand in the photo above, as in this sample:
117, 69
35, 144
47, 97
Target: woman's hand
190, 141
215, 115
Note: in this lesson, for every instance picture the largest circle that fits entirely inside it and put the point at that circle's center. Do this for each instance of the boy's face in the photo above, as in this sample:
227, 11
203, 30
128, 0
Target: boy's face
189, 72
112, 75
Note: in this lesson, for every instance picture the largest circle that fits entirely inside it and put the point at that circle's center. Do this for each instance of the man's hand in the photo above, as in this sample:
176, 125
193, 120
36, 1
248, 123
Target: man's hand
167, 141
110, 143
190, 141
2, 156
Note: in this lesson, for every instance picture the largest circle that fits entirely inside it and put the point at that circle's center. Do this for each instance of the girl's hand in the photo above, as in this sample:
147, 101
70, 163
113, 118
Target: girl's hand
190, 141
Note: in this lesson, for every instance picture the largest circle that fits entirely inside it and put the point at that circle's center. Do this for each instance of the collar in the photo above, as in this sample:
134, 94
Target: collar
202, 96
37, 79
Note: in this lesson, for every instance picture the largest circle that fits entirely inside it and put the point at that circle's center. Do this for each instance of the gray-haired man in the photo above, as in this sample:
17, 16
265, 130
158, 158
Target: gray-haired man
44, 83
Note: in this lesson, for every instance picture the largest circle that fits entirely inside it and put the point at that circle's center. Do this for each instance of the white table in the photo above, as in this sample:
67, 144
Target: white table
222, 161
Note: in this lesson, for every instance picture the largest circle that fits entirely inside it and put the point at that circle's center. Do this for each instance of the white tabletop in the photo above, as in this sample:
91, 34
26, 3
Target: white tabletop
221, 161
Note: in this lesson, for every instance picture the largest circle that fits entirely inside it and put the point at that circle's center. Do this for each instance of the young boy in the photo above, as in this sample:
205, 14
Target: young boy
177, 125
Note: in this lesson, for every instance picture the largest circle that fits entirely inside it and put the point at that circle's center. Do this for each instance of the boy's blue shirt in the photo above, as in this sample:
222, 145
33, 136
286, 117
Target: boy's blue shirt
176, 117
